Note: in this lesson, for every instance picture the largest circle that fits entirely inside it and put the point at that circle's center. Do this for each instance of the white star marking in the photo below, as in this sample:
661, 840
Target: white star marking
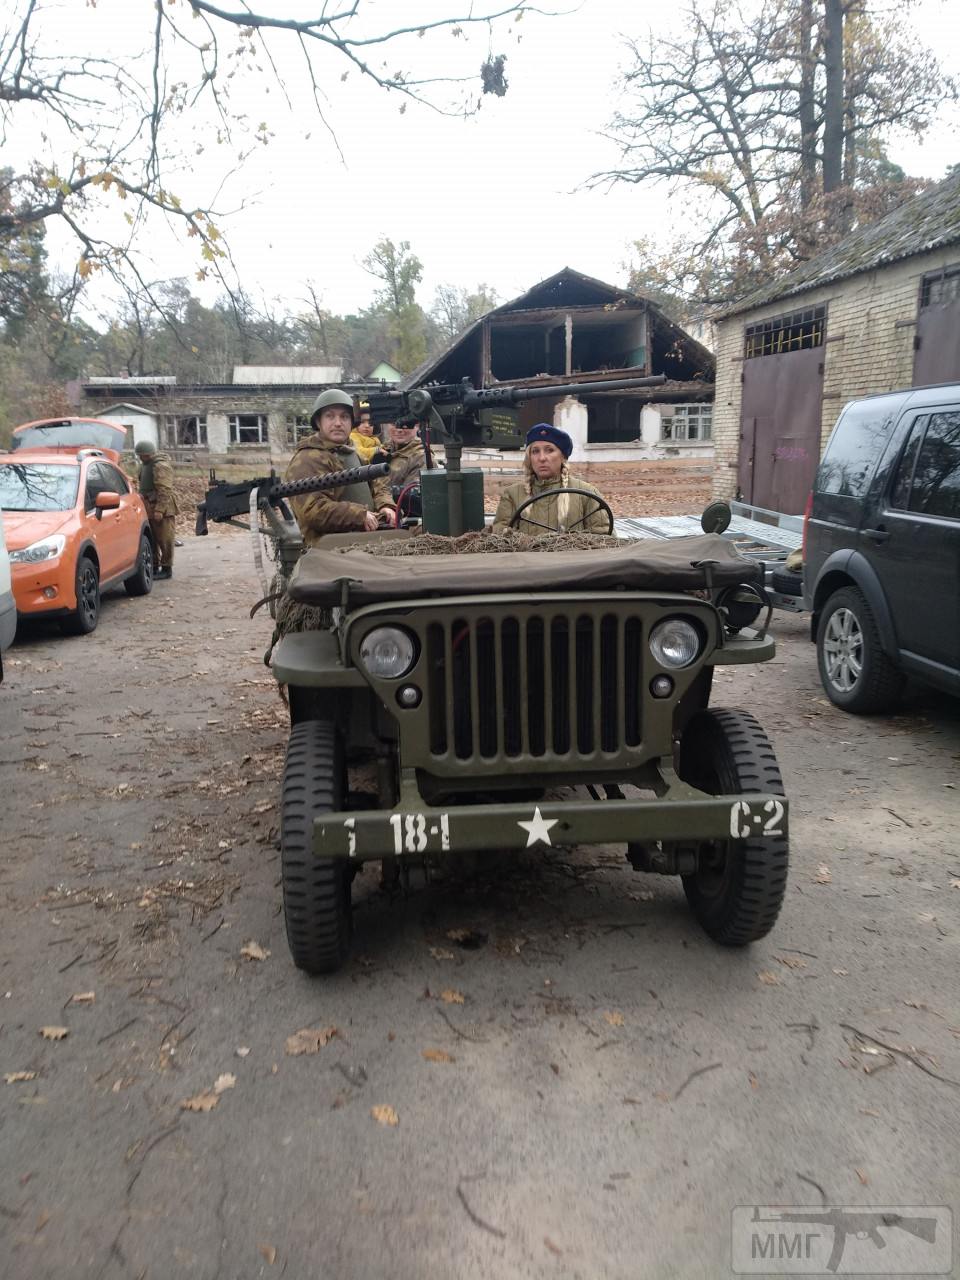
538, 828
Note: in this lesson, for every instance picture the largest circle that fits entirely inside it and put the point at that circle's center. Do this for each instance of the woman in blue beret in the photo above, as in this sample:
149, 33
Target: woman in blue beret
545, 468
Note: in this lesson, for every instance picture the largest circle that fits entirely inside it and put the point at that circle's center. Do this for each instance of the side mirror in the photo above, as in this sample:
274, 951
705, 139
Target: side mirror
106, 502
716, 517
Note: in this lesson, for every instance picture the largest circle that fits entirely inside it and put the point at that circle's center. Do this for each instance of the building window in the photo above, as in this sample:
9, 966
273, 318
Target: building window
690, 422
185, 431
796, 332
940, 287
298, 426
248, 428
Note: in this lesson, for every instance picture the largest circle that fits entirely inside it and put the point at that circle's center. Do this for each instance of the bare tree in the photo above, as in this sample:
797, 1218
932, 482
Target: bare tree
111, 122
777, 115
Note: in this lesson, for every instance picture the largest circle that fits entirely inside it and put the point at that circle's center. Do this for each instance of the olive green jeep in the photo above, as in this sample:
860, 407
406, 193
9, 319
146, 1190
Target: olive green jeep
526, 701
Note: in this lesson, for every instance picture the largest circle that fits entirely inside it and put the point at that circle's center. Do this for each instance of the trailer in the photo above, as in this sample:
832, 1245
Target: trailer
767, 537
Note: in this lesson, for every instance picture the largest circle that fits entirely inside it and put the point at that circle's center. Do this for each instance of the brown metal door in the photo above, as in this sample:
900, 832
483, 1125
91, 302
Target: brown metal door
780, 428
937, 347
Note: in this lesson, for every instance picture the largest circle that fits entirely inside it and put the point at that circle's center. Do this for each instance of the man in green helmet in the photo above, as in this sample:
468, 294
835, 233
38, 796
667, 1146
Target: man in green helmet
356, 507
156, 489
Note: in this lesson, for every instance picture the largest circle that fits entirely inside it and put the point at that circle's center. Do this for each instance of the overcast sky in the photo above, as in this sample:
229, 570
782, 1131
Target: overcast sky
496, 198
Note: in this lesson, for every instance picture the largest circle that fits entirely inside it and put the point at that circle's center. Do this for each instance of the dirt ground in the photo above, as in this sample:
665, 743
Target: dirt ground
587, 1090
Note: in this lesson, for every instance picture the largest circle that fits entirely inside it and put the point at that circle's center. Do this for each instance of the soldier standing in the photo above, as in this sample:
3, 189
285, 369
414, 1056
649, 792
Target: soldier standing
357, 507
405, 454
156, 489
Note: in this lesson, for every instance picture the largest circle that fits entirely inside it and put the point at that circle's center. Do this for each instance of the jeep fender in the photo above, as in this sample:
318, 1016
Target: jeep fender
853, 567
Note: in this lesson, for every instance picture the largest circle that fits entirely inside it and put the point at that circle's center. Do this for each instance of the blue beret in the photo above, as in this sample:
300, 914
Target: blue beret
552, 435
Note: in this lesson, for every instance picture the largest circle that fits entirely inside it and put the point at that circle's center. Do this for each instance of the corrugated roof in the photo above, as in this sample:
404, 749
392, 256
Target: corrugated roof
930, 220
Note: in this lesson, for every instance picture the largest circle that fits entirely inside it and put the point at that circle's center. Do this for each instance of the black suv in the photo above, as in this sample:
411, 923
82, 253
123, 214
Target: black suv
882, 548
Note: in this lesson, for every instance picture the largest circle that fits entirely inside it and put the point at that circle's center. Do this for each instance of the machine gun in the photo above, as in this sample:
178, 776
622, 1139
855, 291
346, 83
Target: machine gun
459, 415
270, 520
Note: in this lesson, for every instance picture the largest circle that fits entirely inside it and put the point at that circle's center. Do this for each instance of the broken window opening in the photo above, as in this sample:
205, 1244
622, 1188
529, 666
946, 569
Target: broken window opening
686, 422
185, 431
298, 426
781, 334
248, 428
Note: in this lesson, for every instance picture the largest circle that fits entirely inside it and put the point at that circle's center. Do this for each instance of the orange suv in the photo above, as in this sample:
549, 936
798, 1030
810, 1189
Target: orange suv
74, 523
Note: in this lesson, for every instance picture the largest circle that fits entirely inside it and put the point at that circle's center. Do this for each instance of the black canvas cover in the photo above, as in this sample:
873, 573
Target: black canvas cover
653, 564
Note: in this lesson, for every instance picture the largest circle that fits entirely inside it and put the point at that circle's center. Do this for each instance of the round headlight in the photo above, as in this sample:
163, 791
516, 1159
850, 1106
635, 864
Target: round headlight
674, 642
387, 652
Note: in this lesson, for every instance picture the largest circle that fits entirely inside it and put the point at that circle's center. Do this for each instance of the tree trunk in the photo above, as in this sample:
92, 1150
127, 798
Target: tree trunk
833, 95
807, 108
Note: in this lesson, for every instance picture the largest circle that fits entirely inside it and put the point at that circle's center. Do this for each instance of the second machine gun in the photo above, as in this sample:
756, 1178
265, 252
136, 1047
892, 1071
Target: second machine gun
263, 499
457, 415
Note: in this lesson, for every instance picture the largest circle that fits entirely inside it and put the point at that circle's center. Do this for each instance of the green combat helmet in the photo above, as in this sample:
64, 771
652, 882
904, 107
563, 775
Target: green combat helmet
144, 448
327, 398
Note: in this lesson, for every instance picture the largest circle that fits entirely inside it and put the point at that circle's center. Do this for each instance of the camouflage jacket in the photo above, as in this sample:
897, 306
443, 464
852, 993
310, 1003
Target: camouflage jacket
581, 516
335, 510
406, 462
160, 497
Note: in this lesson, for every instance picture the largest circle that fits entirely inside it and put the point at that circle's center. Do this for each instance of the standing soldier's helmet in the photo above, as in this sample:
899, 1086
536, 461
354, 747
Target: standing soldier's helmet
327, 398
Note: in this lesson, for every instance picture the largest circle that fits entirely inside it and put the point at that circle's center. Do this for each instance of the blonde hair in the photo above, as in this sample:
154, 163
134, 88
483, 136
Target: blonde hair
563, 501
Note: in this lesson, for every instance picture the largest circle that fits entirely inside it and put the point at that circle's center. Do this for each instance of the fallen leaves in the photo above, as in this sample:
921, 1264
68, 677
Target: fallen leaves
19, 1077
450, 996
54, 1033
823, 875
442, 953
268, 1253
385, 1115
792, 962
83, 997
309, 1040
768, 978
437, 1055
205, 1101
614, 1018
864, 1180
253, 951
224, 1082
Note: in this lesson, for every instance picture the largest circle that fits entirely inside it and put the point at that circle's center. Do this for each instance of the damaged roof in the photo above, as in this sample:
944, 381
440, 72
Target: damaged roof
928, 221
563, 290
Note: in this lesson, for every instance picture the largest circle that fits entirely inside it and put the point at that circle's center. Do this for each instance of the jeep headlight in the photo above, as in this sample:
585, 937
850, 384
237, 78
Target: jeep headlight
387, 652
37, 552
674, 642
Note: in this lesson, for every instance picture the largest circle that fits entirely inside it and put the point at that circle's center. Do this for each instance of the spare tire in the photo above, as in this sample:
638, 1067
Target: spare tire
788, 584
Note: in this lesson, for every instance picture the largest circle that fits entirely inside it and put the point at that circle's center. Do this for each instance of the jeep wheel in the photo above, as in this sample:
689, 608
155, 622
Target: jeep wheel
855, 672
738, 887
316, 891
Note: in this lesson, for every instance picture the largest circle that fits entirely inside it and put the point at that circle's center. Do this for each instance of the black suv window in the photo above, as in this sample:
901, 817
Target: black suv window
855, 446
96, 483
936, 476
900, 493
113, 480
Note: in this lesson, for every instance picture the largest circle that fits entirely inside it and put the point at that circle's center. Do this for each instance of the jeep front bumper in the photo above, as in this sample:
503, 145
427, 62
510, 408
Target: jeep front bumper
370, 834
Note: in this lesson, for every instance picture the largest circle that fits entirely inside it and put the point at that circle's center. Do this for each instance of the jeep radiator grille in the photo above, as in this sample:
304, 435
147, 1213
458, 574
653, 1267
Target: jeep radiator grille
553, 685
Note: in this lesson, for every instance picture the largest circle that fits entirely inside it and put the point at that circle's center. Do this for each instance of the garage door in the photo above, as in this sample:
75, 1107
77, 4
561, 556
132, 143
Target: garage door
937, 357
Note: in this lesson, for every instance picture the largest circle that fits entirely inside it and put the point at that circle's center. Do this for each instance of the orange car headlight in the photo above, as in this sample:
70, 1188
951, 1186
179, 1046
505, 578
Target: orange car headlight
37, 552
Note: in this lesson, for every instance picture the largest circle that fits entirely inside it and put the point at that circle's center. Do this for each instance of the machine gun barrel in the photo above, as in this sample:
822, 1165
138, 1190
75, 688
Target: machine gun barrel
225, 501
476, 398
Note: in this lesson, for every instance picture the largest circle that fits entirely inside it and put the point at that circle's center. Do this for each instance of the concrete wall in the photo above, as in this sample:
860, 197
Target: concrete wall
571, 416
871, 323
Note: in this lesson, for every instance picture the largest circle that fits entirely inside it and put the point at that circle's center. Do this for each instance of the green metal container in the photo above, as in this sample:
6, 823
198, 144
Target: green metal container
438, 502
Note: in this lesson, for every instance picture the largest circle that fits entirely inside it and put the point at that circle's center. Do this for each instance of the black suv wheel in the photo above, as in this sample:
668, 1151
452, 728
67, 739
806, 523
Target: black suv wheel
86, 615
316, 891
856, 674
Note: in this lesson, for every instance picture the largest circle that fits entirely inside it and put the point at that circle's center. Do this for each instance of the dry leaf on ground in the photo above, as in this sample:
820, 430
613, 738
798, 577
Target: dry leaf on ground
54, 1033
17, 1077
205, 1101
865, 1181
224, 1082
823, 875
242, 1051
83, 997
253, 951
841, 973
449, 996
792, 962
385, 1115
309, 1040
437, 1055
613, 1017
955, 884
768, 979
441, 953
268, 1253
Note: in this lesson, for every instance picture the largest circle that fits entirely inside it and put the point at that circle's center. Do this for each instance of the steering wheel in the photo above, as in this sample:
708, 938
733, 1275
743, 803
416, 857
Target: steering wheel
600, 505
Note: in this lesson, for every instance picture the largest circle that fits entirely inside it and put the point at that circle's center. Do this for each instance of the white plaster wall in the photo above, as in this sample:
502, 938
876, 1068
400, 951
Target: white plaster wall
218, 433
140, 426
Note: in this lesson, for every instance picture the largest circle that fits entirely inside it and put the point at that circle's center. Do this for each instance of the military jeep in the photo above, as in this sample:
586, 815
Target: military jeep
527, 701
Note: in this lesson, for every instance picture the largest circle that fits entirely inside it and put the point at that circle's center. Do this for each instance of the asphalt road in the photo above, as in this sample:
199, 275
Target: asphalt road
603, 1084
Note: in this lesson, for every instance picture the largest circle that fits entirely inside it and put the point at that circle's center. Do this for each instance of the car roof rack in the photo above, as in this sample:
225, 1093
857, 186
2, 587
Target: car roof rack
90, 453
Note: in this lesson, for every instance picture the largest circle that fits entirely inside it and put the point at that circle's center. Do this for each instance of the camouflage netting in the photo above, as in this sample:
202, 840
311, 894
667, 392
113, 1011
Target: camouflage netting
292, 616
